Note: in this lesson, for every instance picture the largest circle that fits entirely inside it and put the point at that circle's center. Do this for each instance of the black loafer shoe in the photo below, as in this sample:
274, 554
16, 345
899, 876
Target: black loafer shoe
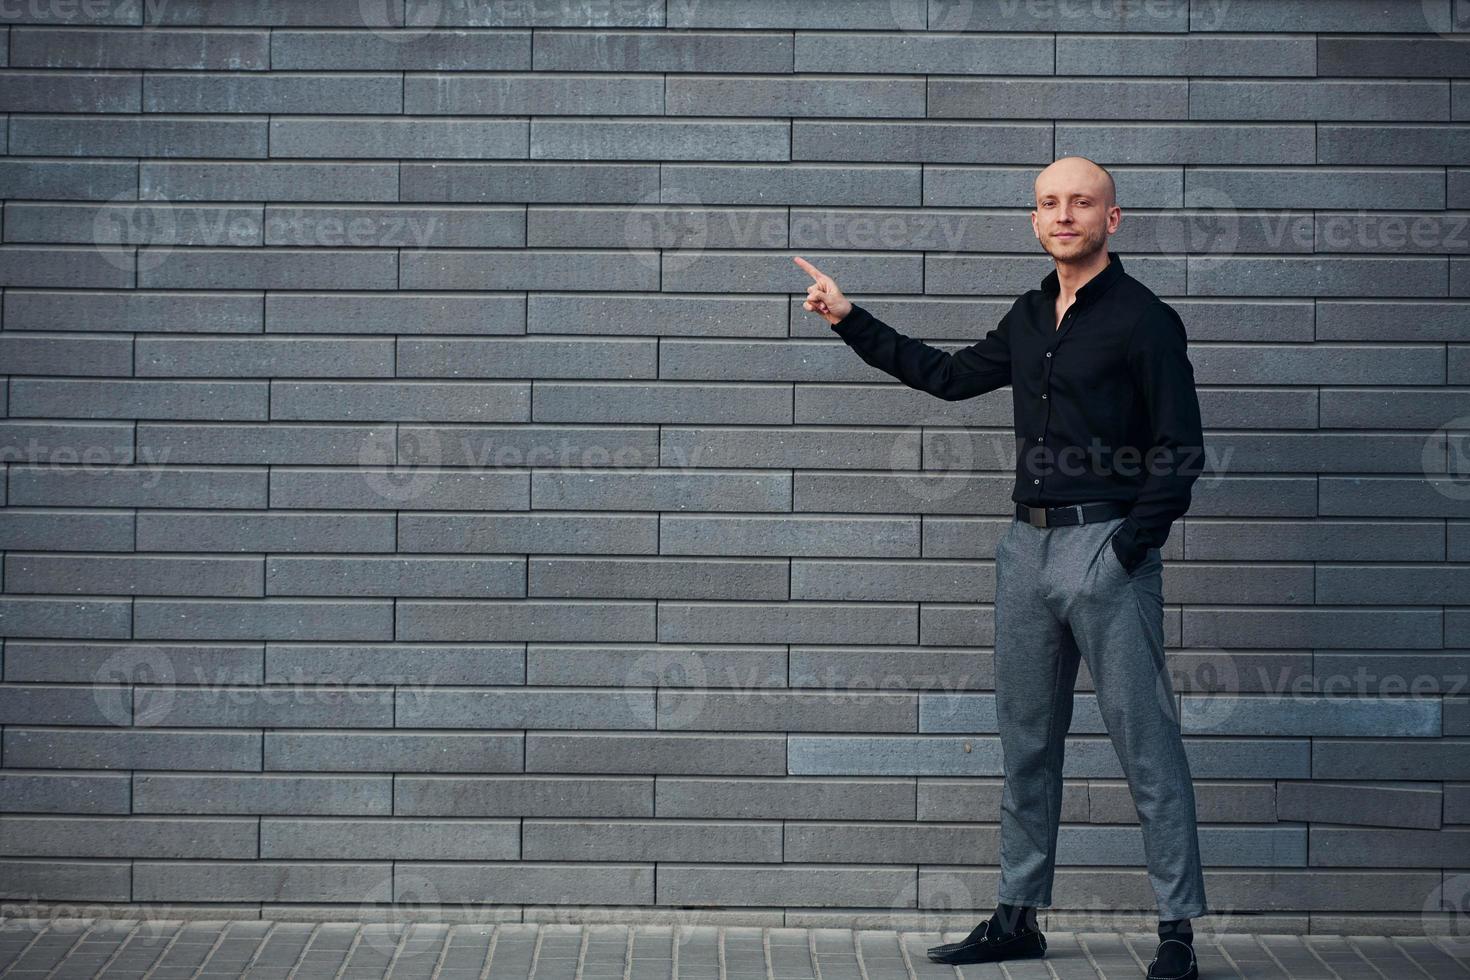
986, 944
1174, 962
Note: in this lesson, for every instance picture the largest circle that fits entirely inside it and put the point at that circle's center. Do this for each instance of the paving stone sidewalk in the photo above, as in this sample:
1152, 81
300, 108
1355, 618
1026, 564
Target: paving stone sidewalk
175, 949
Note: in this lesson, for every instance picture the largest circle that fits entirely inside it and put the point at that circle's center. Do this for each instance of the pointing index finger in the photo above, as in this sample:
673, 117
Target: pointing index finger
811, 270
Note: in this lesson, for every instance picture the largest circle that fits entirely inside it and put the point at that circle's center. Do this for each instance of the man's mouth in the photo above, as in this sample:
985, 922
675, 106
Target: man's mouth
1065, 234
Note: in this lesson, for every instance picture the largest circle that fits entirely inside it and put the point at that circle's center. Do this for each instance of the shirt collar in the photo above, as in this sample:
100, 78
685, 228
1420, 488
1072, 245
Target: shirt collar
1092, 288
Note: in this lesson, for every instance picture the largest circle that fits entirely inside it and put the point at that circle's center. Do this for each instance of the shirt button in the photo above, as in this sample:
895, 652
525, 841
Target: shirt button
1048, 353
1043, 394
1035, 481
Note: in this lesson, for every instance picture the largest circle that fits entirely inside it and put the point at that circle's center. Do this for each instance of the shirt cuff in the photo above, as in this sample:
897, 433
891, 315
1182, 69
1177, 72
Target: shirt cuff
854, 316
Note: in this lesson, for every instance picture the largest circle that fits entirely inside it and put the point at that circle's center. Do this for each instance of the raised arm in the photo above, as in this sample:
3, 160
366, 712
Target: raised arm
974, 370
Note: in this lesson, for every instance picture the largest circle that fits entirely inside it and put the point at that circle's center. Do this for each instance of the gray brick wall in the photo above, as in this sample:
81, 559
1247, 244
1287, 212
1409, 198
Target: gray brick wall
422, 484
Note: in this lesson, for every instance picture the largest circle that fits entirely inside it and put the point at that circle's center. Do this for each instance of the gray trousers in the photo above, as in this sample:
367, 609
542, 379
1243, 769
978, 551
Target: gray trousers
1061, 594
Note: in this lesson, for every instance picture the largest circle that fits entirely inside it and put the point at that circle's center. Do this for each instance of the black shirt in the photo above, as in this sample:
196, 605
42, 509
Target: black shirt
1104, 403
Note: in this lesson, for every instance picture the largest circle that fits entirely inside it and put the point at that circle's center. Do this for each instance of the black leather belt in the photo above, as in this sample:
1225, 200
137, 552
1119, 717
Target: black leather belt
1066, 514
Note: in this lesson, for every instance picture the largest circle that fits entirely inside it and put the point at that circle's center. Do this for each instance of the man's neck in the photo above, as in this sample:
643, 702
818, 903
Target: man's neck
1072, 276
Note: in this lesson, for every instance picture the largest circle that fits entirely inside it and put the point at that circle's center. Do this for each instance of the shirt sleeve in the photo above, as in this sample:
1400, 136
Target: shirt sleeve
1174, 459
981, 367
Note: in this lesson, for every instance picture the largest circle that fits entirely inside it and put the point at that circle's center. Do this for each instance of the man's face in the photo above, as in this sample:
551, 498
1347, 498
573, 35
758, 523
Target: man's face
1071, 223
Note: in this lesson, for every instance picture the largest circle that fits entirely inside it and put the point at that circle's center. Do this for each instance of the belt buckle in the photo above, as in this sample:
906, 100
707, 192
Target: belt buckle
1036, 515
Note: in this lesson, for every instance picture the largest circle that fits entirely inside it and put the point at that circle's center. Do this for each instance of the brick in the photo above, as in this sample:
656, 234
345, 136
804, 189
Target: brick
133, 312
78, 14
412, 840
1194, 143
537, 795
920, 142
632, 753
52, 792
806, 885
663, 139
263, 619
133, 575
147, 225
1165, 54
661, 840
77, 662
64, 704
631, 13
140, 136
220, 50
128, 836
535, 883
527, 708
403, 752
1317, 188
254, 881
398, 138
271, 93
62, 880
39, 265
435, 50
1306, 16
540, 269
650, 314
69, 180
1404, 144
631, 578
271, 13
274, 181
53, 747
65, 354
527, 620
528, 183
756, 14
530, 94
1337, 276
1324, 99
403, 312
262, 793
919, 53
116, 91
801, 184
735, 95
1030, 98
230, 268
360, 226
662, 51
1399, 57
1406, 804
461, 402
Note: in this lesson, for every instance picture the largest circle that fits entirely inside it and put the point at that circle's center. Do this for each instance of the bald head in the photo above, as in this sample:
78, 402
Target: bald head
1075, 176
1076, 209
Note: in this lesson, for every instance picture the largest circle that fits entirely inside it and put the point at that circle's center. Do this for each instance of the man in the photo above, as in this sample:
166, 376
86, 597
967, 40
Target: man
1109, 444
